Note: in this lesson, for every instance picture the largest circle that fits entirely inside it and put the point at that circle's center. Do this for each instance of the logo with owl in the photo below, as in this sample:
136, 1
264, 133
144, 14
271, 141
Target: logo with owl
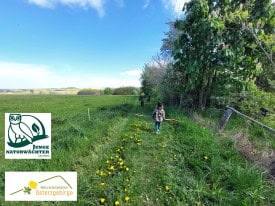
24, 129
28, 135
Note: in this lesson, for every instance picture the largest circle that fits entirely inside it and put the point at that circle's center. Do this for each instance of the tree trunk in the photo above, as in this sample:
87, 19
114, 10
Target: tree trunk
211, 86
180, 104
201, 97
209, 89
202, 91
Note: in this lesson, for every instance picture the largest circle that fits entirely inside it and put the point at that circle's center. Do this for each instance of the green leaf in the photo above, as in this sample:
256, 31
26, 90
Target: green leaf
35, 128
244, 15
27, 190
248, 59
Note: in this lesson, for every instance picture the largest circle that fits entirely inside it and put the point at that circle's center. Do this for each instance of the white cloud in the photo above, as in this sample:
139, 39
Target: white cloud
98, 5
42, 3
15, 70
16, 75
102, 82
31, 76
146, 3
135, 72
175, 6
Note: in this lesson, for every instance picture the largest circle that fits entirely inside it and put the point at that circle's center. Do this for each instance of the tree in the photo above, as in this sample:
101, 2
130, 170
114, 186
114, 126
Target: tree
198, 50
126, 91
152, 74
89, 92
107, 91
219, 49
168, 43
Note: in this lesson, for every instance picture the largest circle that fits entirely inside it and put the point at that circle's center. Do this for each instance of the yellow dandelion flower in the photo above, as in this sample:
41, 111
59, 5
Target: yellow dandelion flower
167, 188
127, 198
116, 203
112, 167
198, 203
102, 183
102, 173
120, 159
121, 148
97, 172
107, 161
33, 184
102, 200
127, 169
205, 157
121, 163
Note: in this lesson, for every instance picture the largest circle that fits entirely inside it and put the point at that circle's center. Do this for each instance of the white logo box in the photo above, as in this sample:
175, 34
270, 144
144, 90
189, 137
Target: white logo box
40, 186
28, 135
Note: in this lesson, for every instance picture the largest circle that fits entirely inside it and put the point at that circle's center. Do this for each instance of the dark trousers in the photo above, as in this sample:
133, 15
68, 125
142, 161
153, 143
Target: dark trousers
157, 126
142, 103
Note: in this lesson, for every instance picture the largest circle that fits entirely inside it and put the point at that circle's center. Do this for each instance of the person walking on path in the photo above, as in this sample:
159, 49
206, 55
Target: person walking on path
148, 98
159, 116
141, 99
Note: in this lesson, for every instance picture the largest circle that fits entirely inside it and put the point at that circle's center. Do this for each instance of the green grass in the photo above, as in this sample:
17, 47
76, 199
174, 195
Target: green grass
262, 138
118, 155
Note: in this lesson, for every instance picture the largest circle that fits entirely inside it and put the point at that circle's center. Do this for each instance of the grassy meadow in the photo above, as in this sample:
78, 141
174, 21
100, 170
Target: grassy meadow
121, 161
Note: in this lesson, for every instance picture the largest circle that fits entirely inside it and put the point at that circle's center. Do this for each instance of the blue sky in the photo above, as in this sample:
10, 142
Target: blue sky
80, 43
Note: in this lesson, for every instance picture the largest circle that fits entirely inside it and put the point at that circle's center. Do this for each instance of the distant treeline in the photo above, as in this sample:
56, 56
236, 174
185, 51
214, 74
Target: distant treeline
110, 91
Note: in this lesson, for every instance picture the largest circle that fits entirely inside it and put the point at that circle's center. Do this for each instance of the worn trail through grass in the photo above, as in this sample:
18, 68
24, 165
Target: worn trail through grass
121, 161
184, 165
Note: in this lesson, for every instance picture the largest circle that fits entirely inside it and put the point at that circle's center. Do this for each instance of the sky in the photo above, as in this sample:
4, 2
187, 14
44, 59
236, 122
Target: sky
80, 43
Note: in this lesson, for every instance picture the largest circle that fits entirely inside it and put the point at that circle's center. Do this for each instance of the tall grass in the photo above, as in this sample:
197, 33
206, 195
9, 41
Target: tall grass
119, 158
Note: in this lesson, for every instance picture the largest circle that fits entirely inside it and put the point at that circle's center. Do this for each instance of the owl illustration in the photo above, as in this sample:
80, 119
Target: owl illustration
20, 129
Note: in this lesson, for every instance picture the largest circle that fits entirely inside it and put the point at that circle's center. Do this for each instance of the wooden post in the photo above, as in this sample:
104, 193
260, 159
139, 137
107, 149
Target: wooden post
228, 113
225, 118
89, 114
252, 120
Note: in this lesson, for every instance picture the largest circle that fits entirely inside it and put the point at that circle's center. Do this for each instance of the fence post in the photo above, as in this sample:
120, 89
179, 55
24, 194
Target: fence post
252, 120
225, 118
89, 117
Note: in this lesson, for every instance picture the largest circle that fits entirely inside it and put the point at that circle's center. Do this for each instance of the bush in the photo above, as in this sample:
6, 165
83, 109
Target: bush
89, 92
126, 91
107, 91
258, 103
